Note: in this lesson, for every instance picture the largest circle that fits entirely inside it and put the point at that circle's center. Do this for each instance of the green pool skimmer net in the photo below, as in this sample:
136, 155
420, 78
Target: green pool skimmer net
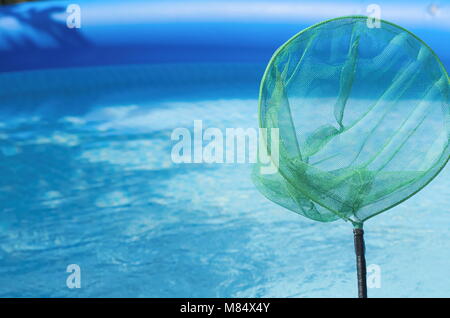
363, 119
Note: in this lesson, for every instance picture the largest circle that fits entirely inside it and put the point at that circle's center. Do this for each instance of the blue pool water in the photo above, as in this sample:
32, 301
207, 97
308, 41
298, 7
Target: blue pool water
87, 179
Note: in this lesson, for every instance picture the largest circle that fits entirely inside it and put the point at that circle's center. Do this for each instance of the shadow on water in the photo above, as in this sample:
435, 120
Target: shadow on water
120, 222
75, 91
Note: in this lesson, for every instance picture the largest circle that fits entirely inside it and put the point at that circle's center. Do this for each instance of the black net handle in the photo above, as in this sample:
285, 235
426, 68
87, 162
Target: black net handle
360, 262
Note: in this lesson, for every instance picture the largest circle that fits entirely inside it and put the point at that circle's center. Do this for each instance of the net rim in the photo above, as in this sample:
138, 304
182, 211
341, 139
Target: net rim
356, 223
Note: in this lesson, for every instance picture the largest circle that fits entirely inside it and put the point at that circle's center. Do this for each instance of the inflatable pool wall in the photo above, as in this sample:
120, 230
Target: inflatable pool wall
41, 35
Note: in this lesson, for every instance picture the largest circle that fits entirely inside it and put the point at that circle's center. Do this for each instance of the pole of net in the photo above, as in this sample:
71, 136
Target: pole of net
360, 262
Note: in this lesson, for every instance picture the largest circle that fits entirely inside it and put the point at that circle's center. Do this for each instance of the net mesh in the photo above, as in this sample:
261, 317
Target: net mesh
363, 119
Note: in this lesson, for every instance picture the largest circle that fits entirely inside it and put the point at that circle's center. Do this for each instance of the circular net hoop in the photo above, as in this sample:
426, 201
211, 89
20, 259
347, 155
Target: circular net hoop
363, 117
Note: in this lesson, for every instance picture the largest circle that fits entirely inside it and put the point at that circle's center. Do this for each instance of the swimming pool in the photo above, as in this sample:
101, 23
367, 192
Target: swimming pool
87, 179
